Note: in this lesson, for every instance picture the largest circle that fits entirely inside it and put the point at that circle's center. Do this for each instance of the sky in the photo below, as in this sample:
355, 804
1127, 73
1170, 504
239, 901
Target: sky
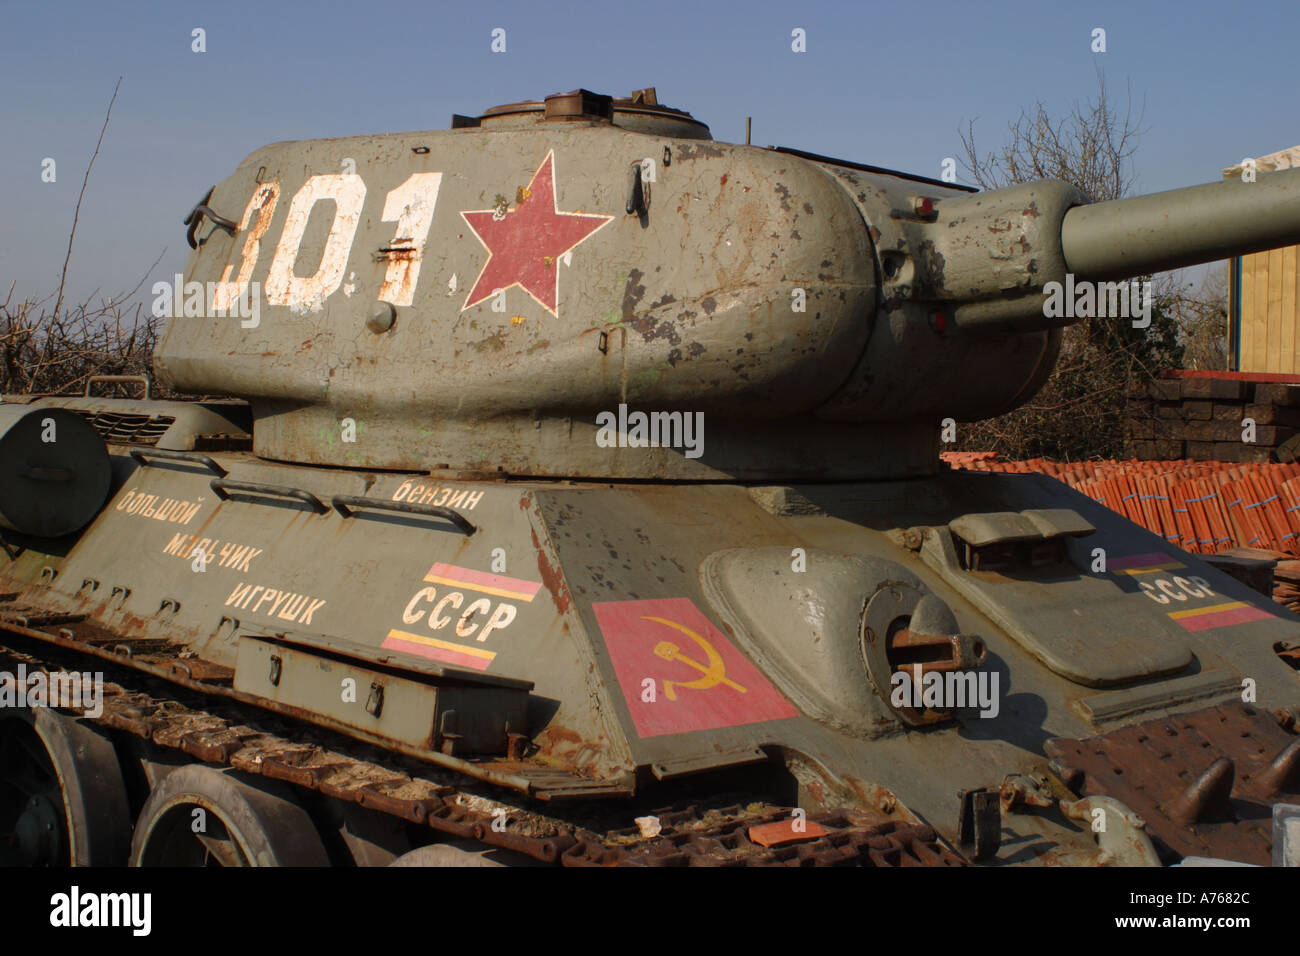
883, 83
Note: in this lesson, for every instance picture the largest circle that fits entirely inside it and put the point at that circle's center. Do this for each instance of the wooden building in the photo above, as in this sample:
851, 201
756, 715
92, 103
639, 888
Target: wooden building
1262, 296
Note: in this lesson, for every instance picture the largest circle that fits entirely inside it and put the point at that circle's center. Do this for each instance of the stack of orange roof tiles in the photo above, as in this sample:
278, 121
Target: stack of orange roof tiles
1200, 506
956, 458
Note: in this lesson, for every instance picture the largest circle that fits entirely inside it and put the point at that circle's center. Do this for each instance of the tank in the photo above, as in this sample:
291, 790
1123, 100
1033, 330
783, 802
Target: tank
567, 491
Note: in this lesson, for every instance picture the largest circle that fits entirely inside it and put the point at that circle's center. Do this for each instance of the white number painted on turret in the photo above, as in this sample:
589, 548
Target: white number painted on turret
411, 204
226, 292
308, 293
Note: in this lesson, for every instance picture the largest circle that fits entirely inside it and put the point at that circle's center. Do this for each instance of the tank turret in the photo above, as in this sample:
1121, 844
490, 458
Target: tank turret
474, 299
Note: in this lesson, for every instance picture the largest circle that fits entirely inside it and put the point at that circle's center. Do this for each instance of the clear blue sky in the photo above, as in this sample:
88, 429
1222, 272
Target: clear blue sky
884, 83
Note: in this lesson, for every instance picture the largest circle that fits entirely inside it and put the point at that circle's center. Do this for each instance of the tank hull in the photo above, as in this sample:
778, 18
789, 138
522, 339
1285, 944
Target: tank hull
595, 639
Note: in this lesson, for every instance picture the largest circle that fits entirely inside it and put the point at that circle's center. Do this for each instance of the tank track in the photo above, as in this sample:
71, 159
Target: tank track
215, 731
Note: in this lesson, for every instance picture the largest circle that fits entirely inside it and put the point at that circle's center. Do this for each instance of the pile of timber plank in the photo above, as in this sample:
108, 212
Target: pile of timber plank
1205, 416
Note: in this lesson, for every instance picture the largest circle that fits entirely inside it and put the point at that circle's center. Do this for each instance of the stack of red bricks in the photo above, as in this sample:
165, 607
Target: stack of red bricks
1203, 415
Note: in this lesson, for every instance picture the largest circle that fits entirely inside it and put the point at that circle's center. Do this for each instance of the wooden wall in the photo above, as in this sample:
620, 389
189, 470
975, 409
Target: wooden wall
1268, 318
1264, 317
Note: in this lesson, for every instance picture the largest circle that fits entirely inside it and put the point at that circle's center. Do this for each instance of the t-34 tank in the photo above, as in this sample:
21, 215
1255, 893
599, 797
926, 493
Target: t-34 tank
579, 501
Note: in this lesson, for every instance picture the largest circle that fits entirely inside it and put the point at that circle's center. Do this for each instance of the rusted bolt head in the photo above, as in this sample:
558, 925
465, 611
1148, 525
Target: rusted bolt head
381, 320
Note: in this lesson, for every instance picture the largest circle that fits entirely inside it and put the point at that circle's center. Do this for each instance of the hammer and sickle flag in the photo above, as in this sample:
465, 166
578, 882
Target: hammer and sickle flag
702, 682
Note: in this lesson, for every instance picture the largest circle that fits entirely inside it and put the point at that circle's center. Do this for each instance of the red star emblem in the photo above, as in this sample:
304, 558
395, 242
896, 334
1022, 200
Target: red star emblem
525, 243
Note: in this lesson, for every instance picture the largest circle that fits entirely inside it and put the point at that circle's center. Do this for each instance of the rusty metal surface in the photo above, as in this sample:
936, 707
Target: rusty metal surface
1204, 782
194, 582
839, 838
1289, 652
641, 112
689, 836
177, 665
785, 831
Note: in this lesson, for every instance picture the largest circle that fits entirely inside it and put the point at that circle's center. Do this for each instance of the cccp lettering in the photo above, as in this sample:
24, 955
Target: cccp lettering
479, 615
1164, 590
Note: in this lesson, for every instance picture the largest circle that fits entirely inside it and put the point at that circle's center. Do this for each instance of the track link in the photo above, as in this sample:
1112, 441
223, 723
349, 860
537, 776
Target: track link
215, 731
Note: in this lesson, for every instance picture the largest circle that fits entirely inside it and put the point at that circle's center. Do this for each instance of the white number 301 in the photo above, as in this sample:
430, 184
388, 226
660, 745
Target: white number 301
411, 205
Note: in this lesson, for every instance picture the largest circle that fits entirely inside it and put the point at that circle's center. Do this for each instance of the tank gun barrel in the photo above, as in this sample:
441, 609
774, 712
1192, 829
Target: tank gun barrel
1122, 238
1002, 250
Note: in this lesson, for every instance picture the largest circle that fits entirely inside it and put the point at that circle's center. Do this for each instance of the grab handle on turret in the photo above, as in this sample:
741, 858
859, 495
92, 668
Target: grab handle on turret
201, 209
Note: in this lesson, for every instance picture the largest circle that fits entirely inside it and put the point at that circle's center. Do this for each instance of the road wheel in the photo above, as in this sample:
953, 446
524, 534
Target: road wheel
201, 816
62, 798
463, 853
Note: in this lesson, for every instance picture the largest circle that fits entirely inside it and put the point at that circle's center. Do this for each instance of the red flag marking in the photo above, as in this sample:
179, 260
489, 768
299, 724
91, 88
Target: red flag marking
701, 680
497, 584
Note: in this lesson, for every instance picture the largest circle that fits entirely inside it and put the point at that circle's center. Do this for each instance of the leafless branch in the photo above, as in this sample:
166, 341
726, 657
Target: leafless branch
46, 349
1081, 411
63, 277
1090, 147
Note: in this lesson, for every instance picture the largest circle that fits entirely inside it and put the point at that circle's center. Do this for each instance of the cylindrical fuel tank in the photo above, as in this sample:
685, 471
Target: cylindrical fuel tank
54, 471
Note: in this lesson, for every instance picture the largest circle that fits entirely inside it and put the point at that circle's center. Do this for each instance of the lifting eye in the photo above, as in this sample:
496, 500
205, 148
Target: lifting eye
638, 194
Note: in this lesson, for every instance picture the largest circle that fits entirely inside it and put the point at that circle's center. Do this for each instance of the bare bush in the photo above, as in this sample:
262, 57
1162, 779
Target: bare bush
1080, 411
1201, 314
1090, 147
49, 348
44, 351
